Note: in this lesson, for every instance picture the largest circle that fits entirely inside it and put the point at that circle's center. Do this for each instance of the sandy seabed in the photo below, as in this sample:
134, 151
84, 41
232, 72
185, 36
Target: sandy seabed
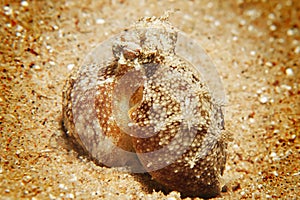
254, 44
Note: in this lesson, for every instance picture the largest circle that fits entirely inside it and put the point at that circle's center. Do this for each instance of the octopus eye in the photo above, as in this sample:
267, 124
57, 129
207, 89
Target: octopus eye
146, 100
129, 51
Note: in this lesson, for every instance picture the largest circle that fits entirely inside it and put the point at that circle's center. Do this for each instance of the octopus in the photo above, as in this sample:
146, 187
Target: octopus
148, 100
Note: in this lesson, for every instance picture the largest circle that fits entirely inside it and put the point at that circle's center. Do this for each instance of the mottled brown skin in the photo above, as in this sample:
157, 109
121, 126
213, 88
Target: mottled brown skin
68, 121
185, 179
103, 102
201, 179
177, 115
121, 139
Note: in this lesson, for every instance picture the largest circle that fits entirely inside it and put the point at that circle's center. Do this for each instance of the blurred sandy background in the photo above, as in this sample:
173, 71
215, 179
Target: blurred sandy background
255, 45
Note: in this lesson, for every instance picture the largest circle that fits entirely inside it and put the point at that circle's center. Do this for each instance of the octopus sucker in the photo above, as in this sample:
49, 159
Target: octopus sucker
146, 100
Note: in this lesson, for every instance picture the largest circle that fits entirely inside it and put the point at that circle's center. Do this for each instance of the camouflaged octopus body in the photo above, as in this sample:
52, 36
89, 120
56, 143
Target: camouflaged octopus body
148, 109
